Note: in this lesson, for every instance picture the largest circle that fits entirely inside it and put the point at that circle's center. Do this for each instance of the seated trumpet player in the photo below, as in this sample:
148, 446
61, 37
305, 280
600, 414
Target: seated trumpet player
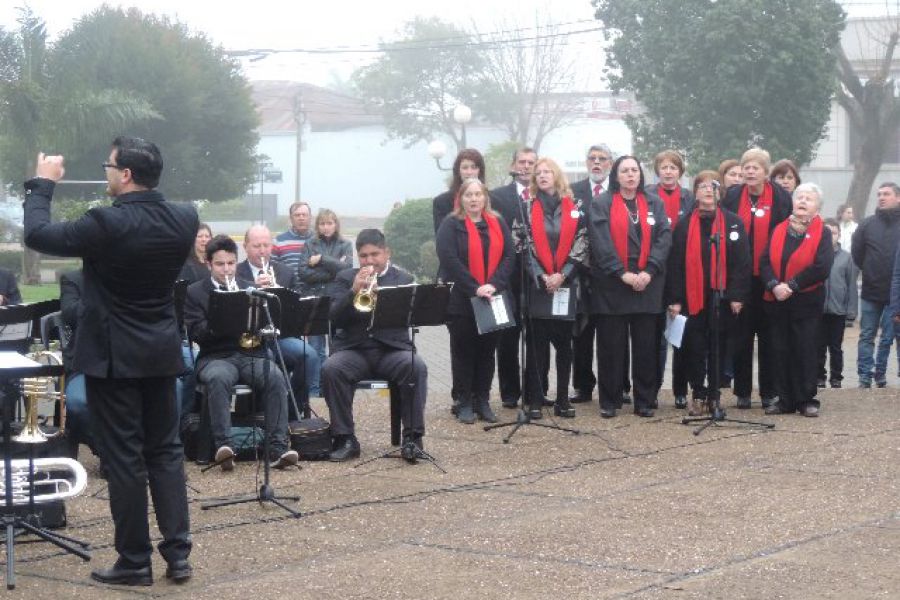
300, 359
224, 362
360, 354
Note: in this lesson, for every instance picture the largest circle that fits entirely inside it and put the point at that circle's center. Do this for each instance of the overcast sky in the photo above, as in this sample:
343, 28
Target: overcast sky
356, 24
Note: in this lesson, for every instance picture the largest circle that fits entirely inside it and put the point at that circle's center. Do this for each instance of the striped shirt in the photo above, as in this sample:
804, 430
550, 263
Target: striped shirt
289, 246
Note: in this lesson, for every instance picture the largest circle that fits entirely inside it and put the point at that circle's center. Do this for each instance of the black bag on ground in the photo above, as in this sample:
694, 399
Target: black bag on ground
311, 438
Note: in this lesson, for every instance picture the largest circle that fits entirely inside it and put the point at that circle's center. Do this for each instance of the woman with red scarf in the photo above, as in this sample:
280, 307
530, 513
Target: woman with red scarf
794, 268
555, 229
761, 205
630, 240
690, 283
679, 202
477, 255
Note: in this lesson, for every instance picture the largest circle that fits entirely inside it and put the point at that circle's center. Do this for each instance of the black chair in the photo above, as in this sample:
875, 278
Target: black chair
394, 392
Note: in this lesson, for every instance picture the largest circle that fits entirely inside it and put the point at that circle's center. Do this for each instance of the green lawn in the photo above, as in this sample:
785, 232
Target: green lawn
36, 293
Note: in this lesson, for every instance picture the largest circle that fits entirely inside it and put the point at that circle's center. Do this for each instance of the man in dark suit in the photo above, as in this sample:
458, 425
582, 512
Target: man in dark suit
599, 160
300, 359
362, 354
9, 289
128, 346
222, 363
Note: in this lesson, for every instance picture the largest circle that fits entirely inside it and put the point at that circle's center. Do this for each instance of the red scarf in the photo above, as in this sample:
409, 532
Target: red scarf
759, 225
802, 257
568, 226
693, 264
476, 250
618, 228
672, 203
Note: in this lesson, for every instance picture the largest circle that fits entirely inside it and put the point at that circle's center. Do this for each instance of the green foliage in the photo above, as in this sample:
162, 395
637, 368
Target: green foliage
12, 260
38, 293
718, 76
496, 163
406, 229
206, 125
420, 79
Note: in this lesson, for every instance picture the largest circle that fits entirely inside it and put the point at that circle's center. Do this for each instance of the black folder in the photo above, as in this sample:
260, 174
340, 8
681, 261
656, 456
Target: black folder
488, 318
542, 305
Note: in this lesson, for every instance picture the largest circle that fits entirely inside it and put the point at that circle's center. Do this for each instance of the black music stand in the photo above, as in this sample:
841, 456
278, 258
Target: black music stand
228, 313
410, 306
716, 412
15, 366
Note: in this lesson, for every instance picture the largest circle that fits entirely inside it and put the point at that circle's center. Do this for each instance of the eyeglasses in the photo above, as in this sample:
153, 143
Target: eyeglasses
112, 166
601, 159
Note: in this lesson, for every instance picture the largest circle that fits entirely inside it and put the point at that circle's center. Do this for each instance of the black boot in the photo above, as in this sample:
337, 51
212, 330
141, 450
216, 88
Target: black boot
483, 408
465, 414
562, 408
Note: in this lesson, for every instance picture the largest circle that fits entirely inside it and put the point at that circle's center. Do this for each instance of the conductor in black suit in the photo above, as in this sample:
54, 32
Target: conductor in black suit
360, 354
128, 346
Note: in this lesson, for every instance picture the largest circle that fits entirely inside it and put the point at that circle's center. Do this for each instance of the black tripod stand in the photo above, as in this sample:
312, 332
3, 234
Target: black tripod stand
716, 412
522, 417
10, 520
266, 492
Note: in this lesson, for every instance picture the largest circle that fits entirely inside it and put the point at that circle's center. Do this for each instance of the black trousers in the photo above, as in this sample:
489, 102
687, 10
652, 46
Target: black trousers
698, 348
508, 372
471, 358
135, 425
831, 338
753, 322
541, 334
583, 378
613, 333
794, 338
345, 368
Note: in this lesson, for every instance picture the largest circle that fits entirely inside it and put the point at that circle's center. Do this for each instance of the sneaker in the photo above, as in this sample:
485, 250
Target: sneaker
810, 410
225, 458
287, 459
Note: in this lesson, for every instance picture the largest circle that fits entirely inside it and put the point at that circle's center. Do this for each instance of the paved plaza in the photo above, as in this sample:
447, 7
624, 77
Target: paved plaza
629, 508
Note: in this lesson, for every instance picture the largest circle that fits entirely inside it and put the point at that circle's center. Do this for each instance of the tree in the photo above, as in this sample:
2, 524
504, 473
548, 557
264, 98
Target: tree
208, 120
408, 230
874, 112
419, 80
717, 76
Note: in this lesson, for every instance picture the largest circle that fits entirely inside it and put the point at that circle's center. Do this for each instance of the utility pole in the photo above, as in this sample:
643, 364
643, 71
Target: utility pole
300, 123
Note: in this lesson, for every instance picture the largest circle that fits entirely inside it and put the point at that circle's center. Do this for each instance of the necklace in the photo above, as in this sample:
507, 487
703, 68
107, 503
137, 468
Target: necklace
634, 216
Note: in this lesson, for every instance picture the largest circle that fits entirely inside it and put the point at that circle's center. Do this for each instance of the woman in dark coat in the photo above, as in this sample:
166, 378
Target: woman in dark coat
630, 240
324, 255
555, 236
469, 164
794, 268
690, 283
195, 268
476, 254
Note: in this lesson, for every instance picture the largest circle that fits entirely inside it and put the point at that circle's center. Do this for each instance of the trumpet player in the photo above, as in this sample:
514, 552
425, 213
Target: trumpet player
378, 354
223, 362
300, 358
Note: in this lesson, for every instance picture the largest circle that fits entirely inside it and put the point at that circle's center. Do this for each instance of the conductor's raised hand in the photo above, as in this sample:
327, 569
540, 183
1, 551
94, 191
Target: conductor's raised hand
50, 167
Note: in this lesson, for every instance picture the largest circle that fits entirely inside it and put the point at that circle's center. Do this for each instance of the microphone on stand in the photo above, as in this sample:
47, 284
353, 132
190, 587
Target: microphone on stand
257, 293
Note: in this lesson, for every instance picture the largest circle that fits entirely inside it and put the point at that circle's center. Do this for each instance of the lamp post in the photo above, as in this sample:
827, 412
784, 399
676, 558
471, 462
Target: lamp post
462, 114
436, 150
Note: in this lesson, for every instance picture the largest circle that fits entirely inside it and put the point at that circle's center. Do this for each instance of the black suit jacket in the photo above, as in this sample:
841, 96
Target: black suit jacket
70, 284
132, 253
505, 200
284, 275
9, 288
351, 326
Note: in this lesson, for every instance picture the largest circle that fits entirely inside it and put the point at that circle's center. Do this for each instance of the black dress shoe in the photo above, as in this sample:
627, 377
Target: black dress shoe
412, 448
346, 450
776, 409
643, 412
510, 402
562, 408
743, 402
607, 413
835, 384
680, 402
534, 413
118, 575
179, 571
626, 398
579, 398
547, 401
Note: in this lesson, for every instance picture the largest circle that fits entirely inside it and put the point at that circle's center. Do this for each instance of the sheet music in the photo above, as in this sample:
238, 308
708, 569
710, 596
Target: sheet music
675, 329
14, 360
561, 302
498, 306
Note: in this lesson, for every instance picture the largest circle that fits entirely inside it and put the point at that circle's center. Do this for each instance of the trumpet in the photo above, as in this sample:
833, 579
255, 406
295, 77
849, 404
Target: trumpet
230, 283
37, 389
269, 271
364, 300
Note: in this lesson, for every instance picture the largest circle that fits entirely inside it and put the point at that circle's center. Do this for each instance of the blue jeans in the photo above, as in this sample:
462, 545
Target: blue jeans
295, 352
872, 316
78, 421
318, 344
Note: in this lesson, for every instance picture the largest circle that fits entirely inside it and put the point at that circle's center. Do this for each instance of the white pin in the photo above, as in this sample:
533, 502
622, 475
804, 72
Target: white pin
651, 221
760, 212
733, 236
574, 214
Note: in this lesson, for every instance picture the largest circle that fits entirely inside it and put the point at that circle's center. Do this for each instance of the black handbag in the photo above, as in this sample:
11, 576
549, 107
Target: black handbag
311, 438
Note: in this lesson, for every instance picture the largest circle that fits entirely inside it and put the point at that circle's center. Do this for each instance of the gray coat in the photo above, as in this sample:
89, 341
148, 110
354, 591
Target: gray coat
841, 296
609, 295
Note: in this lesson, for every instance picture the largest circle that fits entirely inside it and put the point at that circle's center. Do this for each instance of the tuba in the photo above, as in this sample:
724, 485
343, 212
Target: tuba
38, 389
52, 479
364, 300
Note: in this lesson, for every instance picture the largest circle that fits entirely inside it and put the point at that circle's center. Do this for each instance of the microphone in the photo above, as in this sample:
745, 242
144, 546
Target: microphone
254, 292
715, 184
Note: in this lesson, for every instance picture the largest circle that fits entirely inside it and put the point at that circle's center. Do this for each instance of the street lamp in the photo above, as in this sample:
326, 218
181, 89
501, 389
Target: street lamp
462, 114
436, 150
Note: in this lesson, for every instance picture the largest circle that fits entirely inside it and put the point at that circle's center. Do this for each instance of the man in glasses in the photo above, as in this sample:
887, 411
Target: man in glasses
128, 345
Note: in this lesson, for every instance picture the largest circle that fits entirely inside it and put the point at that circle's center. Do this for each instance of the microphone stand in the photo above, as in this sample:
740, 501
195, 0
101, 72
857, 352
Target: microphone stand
716, 412
522, 417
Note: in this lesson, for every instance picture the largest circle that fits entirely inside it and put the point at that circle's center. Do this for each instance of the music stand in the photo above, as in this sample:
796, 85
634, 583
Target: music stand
14, 366
716, 412
410, 306
234, 314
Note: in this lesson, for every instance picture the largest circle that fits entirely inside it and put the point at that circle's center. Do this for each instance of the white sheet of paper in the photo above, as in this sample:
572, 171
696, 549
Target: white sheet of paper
14, 360
675, 329
500, 315
561, 302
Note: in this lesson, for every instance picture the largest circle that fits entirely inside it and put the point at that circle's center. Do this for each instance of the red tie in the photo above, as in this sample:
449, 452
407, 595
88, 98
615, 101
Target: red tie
597, 189
526, 195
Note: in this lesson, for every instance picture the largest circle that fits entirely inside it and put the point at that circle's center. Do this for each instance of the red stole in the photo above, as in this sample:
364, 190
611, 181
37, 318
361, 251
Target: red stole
693, 264
618, 228
568, 226
802, 257
759, 225
672, 203
476, 249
